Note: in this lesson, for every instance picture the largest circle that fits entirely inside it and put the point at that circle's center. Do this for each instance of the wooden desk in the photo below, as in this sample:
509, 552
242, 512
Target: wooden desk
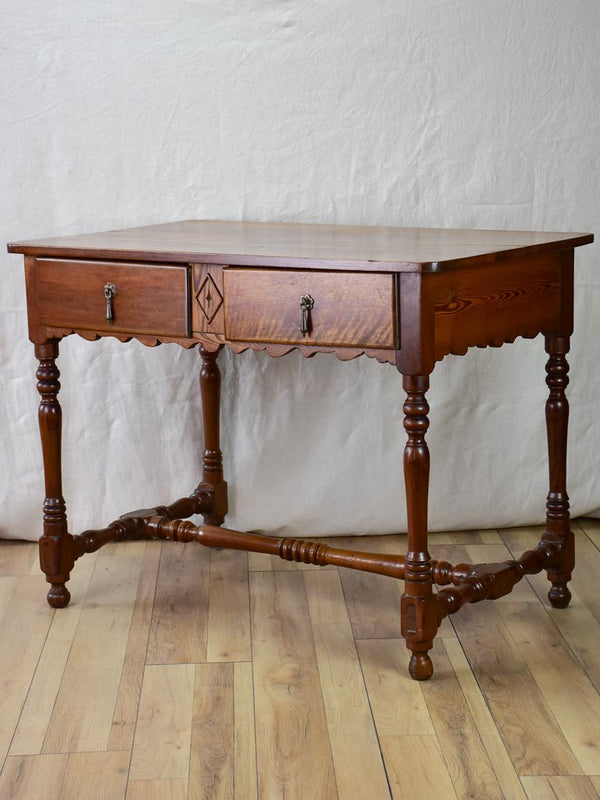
404, 296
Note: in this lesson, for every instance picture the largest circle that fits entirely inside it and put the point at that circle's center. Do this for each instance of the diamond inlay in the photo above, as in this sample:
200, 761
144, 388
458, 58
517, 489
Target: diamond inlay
209, 298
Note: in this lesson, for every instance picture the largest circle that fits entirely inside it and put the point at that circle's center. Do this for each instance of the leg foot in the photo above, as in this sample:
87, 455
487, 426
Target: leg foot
559, 595
420, 667
58, 596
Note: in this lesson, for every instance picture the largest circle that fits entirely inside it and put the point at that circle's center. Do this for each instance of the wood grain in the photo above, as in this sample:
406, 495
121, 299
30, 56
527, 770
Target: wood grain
486, 724
180, 616
167, 789
83, 713
228, 632
469, 764
149, 299
471, 307
41, 697
579, 625
416, 768
517, 702
27, 777
130, 685
23, 630
244, 733
354, 746
96, 776
212, 746
161, 748
293, 753
350, 309
17, 558
559, 788
208, 313
408, 715
302, 245
573, 702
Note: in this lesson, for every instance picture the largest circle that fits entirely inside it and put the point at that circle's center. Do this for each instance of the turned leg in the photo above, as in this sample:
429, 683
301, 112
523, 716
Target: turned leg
418, 607
558, 531
56, 544
212, 483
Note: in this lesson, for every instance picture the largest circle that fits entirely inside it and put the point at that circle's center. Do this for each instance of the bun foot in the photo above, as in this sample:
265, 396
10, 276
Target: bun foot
559, 595
420, 667
58, 596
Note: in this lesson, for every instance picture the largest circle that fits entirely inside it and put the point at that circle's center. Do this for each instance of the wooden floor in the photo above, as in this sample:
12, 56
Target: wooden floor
180, 672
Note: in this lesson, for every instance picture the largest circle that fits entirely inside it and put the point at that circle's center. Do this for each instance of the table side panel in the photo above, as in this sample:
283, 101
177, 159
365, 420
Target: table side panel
350, 309
150, 299
489, 307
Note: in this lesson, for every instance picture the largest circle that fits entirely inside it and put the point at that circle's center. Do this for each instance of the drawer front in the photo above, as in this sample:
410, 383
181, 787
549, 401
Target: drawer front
350, 309
148, 299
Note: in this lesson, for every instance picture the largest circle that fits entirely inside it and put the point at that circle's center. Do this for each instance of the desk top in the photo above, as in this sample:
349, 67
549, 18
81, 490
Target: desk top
304, 246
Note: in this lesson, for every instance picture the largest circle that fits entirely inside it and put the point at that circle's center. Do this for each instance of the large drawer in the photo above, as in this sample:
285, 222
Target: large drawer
350, 309
148, 299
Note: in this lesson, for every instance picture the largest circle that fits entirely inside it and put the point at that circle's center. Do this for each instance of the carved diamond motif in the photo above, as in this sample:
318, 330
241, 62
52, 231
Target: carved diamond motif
209, 298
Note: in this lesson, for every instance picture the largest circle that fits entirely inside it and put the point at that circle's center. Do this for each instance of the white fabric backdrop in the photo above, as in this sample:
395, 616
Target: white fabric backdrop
421, 112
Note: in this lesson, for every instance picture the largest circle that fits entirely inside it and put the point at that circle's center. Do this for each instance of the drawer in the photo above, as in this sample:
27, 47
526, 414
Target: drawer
350, 309
149, 299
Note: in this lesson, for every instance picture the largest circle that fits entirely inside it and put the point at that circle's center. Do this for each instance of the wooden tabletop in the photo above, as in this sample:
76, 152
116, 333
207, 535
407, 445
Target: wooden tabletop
303, 245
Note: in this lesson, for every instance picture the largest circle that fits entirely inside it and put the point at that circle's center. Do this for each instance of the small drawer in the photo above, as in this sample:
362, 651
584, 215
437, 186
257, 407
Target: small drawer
349, 309
148, 299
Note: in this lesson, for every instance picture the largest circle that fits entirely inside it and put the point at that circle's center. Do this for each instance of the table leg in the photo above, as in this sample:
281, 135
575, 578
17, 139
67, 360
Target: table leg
558, 529
212, 460
418, 606
56, 544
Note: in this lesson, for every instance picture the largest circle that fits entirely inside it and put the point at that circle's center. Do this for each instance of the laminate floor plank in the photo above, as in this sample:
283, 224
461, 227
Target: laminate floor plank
161, 747
373, 600
96, 776
356, 756
43, 691
591, 528
535, 742
8, 585
260, 562
574, 702
559, 788
416, 768
293, 753
579, 623
397, 702
17, 558
166, 789
228, 627
212, 746
244, 733
178, 633
23, 631
130, 685
466, 758
82, 715
33, 777
486, 724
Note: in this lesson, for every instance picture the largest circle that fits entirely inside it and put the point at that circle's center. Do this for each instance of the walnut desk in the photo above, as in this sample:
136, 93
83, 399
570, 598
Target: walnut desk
403, 296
